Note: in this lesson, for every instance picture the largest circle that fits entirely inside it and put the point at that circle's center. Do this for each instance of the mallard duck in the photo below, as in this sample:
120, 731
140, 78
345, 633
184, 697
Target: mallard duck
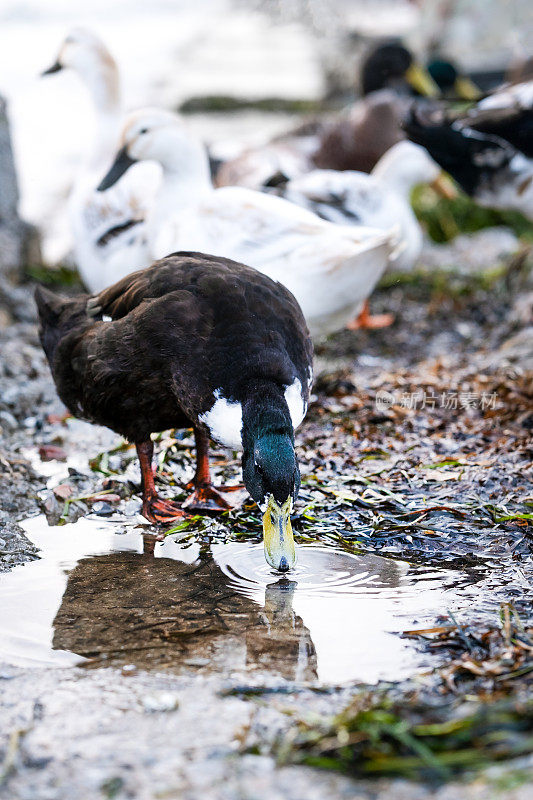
488, 168
331, 269
452, 83
109, 235
192, 341
390, 65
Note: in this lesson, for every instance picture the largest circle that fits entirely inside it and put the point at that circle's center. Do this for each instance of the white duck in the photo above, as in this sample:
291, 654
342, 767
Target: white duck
109, 232
380, 199
331, 269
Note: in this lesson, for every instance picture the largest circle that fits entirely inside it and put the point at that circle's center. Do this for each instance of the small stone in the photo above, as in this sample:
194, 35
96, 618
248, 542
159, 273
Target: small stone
108, 498
196, 662
63, 491
131, 508
160, 701
102, 509
129, 669
115, 463
52, 452
7, 421
50, 504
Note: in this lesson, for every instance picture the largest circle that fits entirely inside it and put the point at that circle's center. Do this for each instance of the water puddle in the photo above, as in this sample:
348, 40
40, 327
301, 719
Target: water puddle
95, 598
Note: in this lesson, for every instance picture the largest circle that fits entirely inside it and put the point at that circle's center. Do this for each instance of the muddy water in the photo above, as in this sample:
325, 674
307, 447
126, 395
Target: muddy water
94, 598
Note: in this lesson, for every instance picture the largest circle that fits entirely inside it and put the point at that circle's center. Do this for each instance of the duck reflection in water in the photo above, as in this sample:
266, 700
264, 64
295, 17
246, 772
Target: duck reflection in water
123, 607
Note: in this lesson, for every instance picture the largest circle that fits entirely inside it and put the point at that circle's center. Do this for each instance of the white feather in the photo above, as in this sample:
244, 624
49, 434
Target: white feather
296, 403
224, 420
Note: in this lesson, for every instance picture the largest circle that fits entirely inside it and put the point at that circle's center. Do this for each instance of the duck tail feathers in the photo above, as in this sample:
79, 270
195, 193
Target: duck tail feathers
396, 242
57, 316
49, 305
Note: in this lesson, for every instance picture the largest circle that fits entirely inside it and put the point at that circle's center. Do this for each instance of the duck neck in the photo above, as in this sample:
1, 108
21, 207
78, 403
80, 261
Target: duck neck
186, 181
104, 88
264, 412
403, 166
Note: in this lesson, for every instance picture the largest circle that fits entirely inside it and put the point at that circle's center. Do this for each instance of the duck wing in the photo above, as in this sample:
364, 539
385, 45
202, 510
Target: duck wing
171, 274
507, 113
176, 337
118, 300
346, 198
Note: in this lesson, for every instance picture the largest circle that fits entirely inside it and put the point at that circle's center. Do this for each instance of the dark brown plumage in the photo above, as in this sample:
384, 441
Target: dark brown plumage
155, 350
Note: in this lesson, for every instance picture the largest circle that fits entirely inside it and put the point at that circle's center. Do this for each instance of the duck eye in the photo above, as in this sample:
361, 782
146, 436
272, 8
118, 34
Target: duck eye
259, 468
143, 130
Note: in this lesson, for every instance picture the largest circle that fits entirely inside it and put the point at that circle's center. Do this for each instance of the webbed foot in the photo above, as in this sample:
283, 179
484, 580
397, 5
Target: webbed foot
370, 321
206, 498
162, 512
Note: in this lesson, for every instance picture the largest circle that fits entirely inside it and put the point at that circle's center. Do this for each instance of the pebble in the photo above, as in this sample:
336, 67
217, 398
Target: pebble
63, 491
131, 508
102, 509
160, 701
8, 421
52, 452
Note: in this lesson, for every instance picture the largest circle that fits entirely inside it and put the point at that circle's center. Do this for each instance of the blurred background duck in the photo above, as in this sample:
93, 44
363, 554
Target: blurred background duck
390, 76
331, 269
380, 200
508, 113
453, 84
354, 139
108, 233
192, 341
487, 167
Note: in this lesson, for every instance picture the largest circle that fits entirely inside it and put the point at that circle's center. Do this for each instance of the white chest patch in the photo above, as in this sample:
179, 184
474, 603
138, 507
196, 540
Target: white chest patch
224, 420
297, 407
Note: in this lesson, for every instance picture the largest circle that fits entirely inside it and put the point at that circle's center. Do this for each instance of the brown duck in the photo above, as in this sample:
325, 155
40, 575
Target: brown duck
192, 341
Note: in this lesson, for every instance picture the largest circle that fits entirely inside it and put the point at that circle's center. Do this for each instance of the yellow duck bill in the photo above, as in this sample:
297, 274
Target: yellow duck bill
420, 79
445, 187
466, 89
280, 552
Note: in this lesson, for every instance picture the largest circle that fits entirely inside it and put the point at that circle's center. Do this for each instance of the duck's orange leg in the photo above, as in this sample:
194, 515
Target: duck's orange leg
155, 508
204, 497
367, 320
